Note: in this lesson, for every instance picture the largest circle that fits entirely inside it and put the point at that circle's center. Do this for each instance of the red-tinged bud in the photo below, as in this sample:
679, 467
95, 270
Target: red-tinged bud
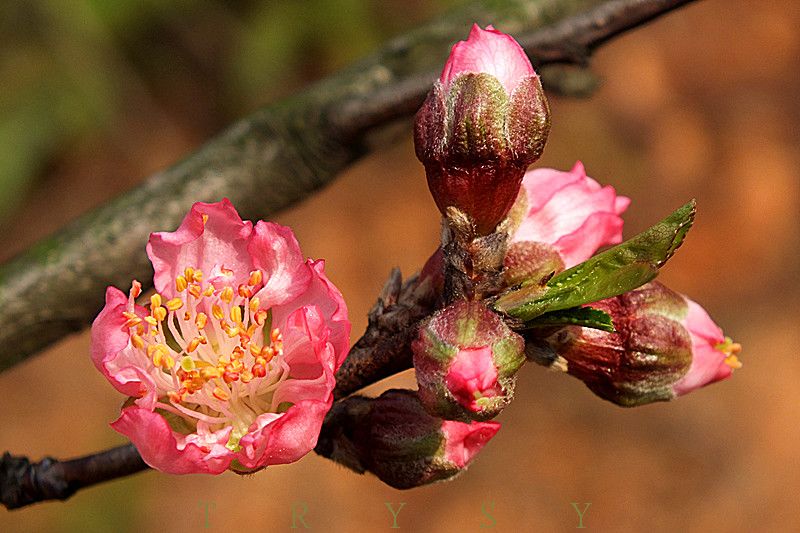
665, 345
485, 120
466, 361
406, 447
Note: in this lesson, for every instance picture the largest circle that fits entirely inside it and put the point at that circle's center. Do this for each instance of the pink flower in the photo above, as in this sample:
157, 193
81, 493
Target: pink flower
232, 364
472, 375
714, 356
485, 120
463, 441
570, 212
488, 51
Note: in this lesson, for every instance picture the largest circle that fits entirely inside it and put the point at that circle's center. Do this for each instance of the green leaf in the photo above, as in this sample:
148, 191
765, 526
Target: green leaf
617, 270
588, 317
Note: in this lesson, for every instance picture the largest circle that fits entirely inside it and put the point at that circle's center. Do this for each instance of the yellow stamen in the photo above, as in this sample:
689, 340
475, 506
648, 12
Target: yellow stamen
195, 290
236, 314
209, 291
181, 283
174, 304
731, 350
255, 278
254, 303
135, 321
201, 320
159, 313
193, 344
152, 321
226, 295
221, 395
210, 372
155, 301
245, 291
137, 341
216, 311
136, 289
187, 363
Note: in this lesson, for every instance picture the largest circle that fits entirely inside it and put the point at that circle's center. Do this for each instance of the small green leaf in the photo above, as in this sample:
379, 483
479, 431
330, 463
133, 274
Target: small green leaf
617, 270
588, 317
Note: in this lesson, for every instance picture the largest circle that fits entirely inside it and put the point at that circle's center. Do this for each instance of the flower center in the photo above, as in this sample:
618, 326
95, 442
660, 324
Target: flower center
211, 351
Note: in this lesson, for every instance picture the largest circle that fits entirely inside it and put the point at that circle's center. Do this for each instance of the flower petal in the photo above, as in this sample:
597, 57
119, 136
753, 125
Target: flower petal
488, 51
323, 295
286, 438
111, 350
708, 362
220, 241
570, 211
277, 254
159, 448
463, 441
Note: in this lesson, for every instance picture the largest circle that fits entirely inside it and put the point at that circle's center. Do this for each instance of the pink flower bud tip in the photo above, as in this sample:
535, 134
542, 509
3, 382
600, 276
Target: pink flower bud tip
714, 356
489, 51
464, 441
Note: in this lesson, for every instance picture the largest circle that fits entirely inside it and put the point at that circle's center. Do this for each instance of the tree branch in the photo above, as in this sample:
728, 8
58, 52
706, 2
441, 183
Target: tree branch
274, 158
23, 483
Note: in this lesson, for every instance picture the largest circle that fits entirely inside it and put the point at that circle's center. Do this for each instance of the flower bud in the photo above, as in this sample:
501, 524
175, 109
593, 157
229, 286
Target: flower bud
485, 120
466, 360
665, 345
406, 447
560, 219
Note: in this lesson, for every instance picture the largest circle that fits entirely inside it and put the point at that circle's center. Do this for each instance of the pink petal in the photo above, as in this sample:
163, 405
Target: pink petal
277, 254
463, 441
700, 324
572, 212
219, 243
472, 371
708, 363
284, 439
323, 295
488, 51
160, 449
112, 353
310, 357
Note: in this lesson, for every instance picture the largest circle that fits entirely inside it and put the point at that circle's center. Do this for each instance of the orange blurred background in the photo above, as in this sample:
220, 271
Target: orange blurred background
702, 103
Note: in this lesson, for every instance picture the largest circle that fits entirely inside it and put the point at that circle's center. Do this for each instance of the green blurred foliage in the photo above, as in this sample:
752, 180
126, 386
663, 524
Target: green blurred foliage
70, 70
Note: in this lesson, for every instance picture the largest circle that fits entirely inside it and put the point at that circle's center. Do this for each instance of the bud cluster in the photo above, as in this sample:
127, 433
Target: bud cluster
506, 230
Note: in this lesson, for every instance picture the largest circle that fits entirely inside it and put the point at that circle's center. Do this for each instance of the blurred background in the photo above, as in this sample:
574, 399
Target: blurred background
702, 103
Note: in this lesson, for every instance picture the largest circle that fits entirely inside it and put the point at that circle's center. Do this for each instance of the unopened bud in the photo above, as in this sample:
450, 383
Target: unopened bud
485, 120
466, 360
665, 345
406, 447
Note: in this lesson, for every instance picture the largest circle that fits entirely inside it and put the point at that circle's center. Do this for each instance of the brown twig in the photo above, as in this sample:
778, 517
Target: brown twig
23, 483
